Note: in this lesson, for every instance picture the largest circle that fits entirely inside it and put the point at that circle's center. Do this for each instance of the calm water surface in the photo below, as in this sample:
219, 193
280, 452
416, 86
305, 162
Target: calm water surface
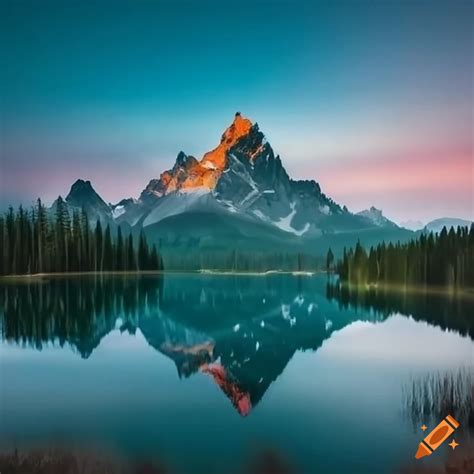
208, 373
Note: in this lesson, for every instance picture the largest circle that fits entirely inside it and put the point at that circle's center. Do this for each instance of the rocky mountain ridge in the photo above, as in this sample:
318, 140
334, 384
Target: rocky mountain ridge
240, 190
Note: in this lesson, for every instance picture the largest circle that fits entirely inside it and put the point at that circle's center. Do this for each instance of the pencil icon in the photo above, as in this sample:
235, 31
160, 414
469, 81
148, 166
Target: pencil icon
437, 437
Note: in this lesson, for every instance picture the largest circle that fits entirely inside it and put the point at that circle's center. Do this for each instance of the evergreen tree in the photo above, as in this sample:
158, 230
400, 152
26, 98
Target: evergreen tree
98, 247
329, 260
33, 241
10, 252
119, 256
131, 264
41, 236
373, 267
62, 235
142, 252
86, 261
3, 234
108, 257
154, 259
445, 259
76, 247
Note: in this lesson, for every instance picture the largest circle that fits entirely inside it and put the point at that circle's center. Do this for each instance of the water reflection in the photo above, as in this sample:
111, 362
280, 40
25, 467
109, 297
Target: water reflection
427, 398
78, 311
241, 331
446, 311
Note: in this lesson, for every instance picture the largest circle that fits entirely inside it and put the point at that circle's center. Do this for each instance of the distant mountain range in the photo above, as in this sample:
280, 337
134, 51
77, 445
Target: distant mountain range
237, 195
436, 225
448, 222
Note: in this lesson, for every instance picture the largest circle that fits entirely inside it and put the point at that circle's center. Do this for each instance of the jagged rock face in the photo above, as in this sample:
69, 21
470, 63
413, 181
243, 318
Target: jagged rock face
217, 158
376, 217
244, 177
189, 173
256, 182
241, 183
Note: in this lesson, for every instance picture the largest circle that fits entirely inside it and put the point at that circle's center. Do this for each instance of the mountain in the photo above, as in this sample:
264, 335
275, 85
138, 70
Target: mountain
83, 196
237, 195
122, 206
241, 178
448, 222
376, 216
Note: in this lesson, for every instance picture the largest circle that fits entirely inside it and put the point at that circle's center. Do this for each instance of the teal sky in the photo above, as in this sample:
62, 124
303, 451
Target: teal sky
373, 99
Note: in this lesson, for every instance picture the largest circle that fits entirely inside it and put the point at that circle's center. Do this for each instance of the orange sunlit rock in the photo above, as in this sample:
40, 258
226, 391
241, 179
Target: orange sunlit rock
206, 172
239, 397
218, 157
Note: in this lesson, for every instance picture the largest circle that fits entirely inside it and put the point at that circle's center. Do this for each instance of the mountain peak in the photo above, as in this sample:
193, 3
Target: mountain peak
81, 184
217, 158
376, 217
239, 127
83, 195
188, 173
79, 189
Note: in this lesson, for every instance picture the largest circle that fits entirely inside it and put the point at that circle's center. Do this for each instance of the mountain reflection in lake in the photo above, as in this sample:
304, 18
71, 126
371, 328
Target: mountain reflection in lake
90, 359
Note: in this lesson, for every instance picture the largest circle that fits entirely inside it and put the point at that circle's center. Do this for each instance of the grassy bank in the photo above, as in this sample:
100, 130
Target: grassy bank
421, 290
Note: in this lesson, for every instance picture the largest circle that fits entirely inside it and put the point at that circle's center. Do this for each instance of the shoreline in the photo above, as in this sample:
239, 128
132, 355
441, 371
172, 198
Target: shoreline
33, 276
399, 289
410, 289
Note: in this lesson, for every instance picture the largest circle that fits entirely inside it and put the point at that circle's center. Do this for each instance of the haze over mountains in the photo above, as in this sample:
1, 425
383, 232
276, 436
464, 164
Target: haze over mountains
238, 194
448, 222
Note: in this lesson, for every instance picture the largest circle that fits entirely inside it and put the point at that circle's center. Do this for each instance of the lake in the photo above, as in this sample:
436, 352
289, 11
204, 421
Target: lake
218, 373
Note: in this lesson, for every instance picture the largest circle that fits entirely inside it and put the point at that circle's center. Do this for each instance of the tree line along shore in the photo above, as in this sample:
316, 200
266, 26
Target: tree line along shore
38, 241
444, 260
34, 242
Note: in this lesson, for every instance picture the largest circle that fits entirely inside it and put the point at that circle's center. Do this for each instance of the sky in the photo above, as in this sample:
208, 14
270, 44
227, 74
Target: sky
372, 99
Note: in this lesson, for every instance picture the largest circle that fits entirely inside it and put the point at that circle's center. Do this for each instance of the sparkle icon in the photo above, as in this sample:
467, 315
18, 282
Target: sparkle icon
453, 444
424, 428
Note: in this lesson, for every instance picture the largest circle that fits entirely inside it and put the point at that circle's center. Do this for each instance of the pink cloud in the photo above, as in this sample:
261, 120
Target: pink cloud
419, 186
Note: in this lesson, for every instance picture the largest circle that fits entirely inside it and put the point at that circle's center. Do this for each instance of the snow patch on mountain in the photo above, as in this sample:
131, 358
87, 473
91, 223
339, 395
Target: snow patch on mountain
260, 215
118, 211
229, 206
325, 210
285, 223
176, 203
250, 197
